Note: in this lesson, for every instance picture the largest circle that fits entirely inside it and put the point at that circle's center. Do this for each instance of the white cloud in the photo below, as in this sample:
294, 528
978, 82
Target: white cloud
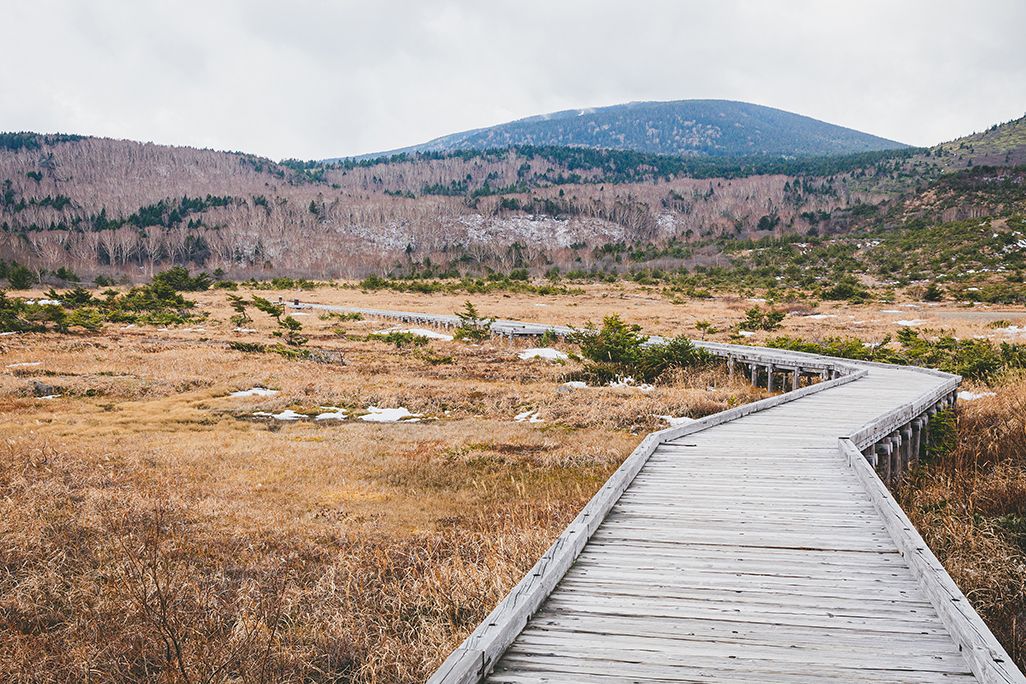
314, 79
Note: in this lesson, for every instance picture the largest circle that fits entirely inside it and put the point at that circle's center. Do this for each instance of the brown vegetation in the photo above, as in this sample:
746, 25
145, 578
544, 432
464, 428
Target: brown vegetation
969, 502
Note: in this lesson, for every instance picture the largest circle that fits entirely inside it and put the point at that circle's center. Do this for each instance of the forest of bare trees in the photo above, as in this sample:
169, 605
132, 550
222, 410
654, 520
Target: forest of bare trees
120, 207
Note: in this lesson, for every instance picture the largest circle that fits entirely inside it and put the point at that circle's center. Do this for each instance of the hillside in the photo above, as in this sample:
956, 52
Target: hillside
717, 128
125, 209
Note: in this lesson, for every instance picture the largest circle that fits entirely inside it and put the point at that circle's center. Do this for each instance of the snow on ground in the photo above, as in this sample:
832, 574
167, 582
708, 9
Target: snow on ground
49, 396
966, 395
257, 391
628, 383
910, 322
575, 384
892, 311
528, 417
390, 415
544, 353
331, 413
535, 229
287, 414
674, 421
819, 316
25, 364
1013, 330
55, 302
5, 334
745, 333
244, 330
422, 332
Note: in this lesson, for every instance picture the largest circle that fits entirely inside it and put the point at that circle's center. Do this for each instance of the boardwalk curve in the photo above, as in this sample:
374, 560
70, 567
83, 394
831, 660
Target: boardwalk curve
759, 544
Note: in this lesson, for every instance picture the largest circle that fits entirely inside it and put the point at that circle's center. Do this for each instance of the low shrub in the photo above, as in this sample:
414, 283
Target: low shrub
473, 327
401, 339
618, 349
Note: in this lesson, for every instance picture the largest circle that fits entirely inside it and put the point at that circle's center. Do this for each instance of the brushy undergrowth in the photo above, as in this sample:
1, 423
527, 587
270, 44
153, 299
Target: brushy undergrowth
466, 285
973, 359
969, 502
153, 304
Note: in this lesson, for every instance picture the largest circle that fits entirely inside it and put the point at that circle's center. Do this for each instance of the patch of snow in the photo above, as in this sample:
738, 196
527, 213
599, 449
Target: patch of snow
287, 414
628, 383
422, 332
575, 384
745, 333
254, 392
390, 415
819, 316
536, 229
1013, 330
528, 416
910, 322
25, 364
760, 300
966, 395
909, 306
6, 334
543, 353
333, 413
55, 302
128, 327
674, 421
49, 396
244, 330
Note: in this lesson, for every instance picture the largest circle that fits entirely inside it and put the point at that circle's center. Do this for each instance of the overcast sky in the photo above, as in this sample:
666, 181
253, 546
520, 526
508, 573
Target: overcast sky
315, 79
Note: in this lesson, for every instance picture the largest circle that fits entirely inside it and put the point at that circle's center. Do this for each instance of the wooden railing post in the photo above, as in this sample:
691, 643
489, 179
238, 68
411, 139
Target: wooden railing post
883, 449
906, 453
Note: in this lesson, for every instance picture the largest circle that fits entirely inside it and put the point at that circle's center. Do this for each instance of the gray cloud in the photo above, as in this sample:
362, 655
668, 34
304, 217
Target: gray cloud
313, 78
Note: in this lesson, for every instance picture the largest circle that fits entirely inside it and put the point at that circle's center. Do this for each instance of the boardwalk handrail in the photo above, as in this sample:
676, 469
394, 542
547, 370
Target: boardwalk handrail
874, 430
472, 660
984, 654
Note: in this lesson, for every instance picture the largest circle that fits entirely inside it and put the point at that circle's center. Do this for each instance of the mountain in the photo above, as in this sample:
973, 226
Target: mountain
716, 128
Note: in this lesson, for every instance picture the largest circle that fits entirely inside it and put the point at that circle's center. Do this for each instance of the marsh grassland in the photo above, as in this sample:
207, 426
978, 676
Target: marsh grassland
155, 527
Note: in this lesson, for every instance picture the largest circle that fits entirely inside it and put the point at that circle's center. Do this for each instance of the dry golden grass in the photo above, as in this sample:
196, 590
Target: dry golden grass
969, 502
661, 311
154, 530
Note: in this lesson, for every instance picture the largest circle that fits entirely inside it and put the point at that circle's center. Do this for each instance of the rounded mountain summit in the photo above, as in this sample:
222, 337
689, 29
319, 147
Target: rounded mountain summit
714, 128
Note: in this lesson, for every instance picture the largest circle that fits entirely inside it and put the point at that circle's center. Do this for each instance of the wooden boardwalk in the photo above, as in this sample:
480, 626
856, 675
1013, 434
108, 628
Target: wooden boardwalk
755, 545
